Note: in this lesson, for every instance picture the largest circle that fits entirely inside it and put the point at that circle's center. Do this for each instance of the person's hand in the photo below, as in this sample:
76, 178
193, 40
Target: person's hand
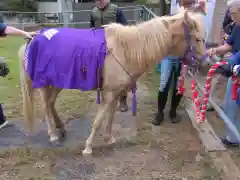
30, 35
211, 52
225, 36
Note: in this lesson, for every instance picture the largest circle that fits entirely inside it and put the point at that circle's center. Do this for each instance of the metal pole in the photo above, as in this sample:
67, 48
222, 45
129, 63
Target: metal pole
220, 112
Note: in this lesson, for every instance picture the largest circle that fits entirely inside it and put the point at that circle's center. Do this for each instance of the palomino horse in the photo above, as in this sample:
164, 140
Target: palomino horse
131, 51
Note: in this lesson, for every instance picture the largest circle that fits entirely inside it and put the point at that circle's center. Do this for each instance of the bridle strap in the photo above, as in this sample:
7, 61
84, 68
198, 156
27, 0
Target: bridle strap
190, 50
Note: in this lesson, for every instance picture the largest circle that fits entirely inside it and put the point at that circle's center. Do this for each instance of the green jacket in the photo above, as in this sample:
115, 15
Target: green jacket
104, 16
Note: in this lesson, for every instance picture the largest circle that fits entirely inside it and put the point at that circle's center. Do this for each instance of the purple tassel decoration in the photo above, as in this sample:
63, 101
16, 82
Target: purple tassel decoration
134, 101
98, 86
98, 95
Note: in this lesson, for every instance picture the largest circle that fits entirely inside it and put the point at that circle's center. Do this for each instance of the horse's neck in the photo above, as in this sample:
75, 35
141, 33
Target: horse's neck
142, 46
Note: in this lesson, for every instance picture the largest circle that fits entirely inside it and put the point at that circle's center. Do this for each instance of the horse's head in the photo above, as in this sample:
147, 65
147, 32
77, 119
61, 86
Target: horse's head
188, 37
3, 68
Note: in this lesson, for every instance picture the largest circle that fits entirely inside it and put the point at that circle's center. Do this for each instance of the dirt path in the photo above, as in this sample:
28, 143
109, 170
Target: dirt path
142, 152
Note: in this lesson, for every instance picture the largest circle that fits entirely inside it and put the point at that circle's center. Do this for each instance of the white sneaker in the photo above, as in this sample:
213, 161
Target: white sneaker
5, 123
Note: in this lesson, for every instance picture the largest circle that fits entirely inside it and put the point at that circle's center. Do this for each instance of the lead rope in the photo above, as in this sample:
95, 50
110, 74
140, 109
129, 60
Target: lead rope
134, 100
134, 87
211, 73
98, 85
235, 87
181, 79
189, 52
196, 100
201, 109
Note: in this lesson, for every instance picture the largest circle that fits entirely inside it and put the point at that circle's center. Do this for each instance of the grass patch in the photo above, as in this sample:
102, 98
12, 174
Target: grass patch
9, 48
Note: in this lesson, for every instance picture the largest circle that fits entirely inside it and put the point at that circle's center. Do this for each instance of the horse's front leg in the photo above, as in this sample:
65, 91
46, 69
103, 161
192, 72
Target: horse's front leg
103, 109
110, 117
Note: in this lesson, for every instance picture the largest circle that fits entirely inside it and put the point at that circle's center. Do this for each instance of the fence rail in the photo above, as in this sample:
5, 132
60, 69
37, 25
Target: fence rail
76, 19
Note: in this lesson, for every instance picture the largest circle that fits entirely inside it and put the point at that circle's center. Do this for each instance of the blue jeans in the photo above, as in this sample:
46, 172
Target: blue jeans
231, 109
232, 59
168, 65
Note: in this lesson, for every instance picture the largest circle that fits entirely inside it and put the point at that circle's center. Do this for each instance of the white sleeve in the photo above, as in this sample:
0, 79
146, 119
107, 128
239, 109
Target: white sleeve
236, 70
175, 8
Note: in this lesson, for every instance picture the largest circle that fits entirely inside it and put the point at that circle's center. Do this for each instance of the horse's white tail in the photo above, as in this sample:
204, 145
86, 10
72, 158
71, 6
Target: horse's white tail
27, 90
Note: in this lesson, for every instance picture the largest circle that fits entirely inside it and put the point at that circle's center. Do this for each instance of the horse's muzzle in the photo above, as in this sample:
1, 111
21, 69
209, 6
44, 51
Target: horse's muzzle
4, 70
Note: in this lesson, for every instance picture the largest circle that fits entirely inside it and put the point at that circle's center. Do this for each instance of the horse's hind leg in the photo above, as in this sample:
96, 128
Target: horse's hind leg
52, 100
103, 109
44, 94
110, 117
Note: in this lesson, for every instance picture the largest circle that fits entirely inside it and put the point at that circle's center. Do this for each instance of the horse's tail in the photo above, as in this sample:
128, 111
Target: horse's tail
27, 90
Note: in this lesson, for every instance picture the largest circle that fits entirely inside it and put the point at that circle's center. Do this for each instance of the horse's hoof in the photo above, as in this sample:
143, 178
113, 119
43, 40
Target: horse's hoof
87, 151
109, 140
124, 109
55, 141
112, 140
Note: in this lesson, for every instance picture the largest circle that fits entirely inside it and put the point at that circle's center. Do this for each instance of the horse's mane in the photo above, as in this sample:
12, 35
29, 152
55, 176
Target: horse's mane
144, 42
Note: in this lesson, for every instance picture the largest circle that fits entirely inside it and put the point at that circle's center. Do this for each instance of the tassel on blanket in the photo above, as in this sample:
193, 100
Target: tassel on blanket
98, 86
98, 95
134, 101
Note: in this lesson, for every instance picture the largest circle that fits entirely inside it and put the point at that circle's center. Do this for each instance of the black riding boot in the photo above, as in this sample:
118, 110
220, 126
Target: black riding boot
176, 98
162, 100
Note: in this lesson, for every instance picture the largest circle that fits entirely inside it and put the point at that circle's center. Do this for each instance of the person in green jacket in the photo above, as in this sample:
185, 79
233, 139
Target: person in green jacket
105, 13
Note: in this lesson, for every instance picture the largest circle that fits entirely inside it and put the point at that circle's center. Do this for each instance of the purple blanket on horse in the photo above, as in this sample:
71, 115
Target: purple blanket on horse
66, 58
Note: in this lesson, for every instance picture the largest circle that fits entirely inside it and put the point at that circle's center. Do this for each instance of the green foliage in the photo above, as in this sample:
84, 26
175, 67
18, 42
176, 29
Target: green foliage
21, 5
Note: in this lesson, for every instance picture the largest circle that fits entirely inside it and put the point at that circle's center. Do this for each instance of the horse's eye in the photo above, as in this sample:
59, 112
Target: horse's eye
200, 40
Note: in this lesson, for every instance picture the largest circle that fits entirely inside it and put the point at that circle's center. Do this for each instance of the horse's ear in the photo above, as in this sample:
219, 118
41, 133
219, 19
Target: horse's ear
187, 20
105, 26
166, 24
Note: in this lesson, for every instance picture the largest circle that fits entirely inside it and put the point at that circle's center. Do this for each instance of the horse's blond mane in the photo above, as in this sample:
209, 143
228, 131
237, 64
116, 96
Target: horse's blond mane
145, 42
